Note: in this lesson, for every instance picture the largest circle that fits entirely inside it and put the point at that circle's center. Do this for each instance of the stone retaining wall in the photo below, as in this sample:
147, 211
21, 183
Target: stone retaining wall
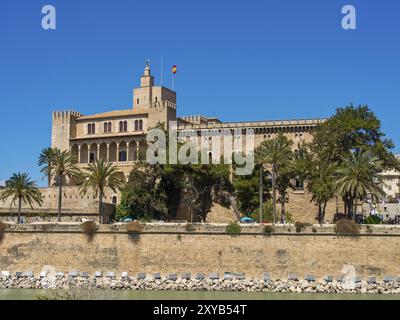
170, 248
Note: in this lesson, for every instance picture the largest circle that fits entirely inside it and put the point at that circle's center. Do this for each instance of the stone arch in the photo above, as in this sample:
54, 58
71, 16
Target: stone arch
103, 151
75, 153
84, 153
132, 151
142, 150
122, 153
93, 153
113, 152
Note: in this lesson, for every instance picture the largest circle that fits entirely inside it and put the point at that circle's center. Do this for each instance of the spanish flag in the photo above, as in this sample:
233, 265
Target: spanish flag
173, 69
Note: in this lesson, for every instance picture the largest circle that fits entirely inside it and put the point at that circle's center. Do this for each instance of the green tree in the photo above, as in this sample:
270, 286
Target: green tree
276, 153
154, 191
22, 189
59, 165
97, 177
351, 129
44, 161
357, 176
247, 192
320, 183
284, 180
143, 197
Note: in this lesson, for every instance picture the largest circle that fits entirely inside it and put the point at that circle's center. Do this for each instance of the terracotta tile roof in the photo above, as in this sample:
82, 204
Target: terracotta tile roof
116, 113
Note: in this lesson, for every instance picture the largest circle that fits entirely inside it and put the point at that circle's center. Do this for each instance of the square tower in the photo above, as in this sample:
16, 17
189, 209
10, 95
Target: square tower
158, 101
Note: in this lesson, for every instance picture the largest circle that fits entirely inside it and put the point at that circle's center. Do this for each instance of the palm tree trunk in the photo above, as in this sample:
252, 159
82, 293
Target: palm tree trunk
350, 208
261, 194
283, 209
59, 178
355, 209
101, 213
273, 193
319, 213
19, 209
323, 212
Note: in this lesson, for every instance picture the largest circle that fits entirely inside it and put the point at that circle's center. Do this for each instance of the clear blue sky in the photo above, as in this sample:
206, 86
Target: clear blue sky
238, 60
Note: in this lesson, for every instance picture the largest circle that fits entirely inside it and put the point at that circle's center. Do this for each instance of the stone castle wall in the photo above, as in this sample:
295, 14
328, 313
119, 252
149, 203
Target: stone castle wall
299, 206
210, 249
75, 206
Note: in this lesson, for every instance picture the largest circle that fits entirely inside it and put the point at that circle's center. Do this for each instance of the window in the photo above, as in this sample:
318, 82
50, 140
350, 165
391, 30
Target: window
92, 157
107, 127
156, 99
123, 126
91, 128
137, 101
138, 125
299, 184
122, 156
114, 200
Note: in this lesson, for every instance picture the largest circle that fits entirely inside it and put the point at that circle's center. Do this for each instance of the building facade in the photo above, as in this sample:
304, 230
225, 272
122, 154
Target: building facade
119, 136
391, 182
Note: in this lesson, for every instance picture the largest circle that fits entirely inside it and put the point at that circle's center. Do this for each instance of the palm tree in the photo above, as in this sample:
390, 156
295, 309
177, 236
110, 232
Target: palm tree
275, 152
320, 183
44, 160
58, 164
357, 176
97, 177
285, 175
22, 189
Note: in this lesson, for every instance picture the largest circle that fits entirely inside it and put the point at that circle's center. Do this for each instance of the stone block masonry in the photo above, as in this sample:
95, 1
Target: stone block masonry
208, 249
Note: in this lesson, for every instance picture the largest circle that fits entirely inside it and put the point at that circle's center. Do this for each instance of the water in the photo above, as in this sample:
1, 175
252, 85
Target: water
32, 294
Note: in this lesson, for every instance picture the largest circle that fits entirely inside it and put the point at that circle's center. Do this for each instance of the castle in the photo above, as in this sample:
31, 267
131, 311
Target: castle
120, 135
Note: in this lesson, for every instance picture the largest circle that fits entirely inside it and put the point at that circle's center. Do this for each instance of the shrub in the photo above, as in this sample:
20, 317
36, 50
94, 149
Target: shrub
190, 227
314, 229
345, 226
89, 227
134, 227
300, 226
233, 228
178, 237
372, 220
269, 229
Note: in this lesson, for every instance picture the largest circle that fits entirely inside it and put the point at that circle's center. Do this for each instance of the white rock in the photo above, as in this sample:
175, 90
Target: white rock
5, 273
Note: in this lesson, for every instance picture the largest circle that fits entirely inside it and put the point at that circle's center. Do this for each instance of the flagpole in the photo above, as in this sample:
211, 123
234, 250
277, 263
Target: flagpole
173, 84
161, 71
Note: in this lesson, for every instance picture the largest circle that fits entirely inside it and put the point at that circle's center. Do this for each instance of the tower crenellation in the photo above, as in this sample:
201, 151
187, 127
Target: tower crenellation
63, 128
